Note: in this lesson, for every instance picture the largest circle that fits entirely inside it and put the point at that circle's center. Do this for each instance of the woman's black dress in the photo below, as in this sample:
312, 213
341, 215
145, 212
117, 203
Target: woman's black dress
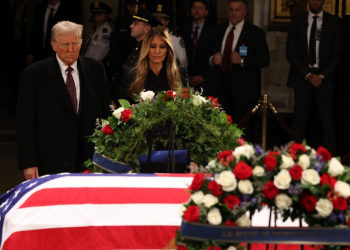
154, 83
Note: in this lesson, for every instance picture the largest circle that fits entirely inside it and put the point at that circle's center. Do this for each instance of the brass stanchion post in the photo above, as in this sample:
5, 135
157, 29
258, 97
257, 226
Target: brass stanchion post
264, 107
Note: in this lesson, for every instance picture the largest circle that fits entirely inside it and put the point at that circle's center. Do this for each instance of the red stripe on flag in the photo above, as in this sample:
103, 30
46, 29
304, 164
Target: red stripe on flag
74, 196
78, 238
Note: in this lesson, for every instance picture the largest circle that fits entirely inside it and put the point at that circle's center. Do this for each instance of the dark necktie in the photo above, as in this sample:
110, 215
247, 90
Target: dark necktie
194, 40
70, 84
312, 42
48, 28
226, 63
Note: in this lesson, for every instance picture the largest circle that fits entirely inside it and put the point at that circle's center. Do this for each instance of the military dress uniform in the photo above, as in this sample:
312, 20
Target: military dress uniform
134, 57
98, 43
179, 49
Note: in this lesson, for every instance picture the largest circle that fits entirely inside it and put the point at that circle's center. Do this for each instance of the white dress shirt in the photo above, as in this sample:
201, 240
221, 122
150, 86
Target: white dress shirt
199, 29
47, 13
319, 26
75, 75
236, 35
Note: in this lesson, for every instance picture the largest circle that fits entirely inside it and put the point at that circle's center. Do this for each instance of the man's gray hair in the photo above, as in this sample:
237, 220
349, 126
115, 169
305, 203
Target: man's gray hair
66, 28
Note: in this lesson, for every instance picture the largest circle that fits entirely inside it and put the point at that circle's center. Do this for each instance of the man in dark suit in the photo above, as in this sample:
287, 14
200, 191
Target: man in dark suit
241, 49
59, 100
46, 15
197, 37
314, 49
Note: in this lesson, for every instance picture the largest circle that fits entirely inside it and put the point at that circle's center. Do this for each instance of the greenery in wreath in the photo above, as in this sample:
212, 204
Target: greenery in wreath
200, 127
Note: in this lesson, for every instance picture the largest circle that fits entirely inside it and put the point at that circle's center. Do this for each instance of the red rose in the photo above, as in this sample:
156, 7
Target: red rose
170, 94
241, 141
308, 201
215, 188
326, 156
295, 148
229, 118
213, 248
230, 223
270, 162
274, 153
87, 171
327, 179
192, 214
181, 247
242, 170
213, 101
231, 201
197, 181
340, 203
270, 190
226, 157
185, 93
296, 172
108, 130
127, 115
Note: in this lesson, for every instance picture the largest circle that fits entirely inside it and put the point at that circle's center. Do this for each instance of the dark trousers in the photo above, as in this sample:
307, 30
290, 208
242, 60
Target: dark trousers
237, 108
323, 98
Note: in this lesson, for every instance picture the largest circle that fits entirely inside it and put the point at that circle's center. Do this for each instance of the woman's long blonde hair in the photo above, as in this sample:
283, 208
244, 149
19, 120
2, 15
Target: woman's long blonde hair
141, 70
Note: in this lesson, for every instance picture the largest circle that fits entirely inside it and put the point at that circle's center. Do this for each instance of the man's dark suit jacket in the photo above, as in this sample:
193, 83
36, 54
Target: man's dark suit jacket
245, 81
198, 65
65, 12
49, 133
331, 49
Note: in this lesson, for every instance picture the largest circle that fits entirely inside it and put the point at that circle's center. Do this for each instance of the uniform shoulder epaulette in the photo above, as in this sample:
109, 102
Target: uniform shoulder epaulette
175, 34
105, 30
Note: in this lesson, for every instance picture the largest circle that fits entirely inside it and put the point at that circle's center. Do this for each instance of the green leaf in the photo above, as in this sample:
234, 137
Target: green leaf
125, 104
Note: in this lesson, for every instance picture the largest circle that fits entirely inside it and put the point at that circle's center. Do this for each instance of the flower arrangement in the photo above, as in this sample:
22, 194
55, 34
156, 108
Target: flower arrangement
226, 189
200, 126
310, 185
296, 181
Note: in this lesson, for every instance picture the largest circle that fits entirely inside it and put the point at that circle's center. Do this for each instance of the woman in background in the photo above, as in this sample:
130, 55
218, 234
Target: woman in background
156, 69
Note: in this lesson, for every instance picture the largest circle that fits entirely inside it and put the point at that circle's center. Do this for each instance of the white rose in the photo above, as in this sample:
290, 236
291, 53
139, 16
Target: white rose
211, 164
118, 112
227, 180
282, 179
342, 189
324, 207
304, 161
182, 209
147, 95
310, 176
245, 187
243, 221
214, 216
231, 248
258, 171
197, 197
246, 150
210, 200
313, 153
283, 201
287, 162
198, 100
335, 168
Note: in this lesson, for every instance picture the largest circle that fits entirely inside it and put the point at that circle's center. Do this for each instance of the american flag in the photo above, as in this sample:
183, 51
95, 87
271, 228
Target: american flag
93, 211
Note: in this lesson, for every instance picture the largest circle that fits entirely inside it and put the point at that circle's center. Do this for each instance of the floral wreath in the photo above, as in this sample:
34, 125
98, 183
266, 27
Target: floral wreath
200, 127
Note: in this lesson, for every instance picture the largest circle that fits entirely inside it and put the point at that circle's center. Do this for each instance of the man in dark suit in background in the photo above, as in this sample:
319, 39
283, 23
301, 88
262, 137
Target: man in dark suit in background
59, 100
241, 49
197, 37
46, 15
314, 49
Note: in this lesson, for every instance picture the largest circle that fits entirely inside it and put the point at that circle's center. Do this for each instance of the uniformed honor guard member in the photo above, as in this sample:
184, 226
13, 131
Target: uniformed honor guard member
162, 12
143, 21
98, 44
